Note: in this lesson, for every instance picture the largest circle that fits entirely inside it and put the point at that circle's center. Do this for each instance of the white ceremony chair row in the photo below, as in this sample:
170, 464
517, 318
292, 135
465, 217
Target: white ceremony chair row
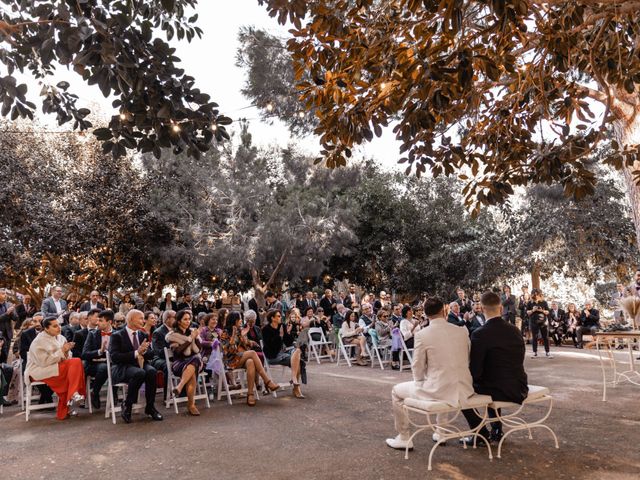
173, 381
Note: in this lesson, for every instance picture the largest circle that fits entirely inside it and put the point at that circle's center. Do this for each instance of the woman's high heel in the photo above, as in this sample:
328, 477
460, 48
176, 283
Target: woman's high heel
251, 399
296, 390
193, 411
272, 386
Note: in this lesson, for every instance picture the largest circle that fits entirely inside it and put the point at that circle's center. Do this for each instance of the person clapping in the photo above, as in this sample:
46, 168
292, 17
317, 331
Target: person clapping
49, 362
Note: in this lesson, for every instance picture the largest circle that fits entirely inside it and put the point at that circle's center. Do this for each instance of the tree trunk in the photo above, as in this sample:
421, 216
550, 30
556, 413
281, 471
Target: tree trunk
535, 276
626, 130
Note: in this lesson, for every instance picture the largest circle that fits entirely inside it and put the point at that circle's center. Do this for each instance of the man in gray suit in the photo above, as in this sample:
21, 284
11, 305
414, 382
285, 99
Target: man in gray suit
55, 304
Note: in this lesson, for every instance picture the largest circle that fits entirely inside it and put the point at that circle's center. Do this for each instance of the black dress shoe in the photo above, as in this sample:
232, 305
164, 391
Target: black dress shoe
125, 413
95, 401
496, 435
153, 413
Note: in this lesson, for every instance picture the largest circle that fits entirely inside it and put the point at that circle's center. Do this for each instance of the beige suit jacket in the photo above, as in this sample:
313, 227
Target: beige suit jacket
441, 363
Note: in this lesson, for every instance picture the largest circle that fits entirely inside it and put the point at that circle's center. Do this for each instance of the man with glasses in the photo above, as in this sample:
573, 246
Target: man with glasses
55, 304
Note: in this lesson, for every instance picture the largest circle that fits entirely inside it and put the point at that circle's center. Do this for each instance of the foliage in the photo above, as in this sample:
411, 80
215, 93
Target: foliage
113, 45
498, 91
592, 238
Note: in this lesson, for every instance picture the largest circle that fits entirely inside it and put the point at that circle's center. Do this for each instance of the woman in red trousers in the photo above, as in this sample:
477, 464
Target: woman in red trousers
48, 361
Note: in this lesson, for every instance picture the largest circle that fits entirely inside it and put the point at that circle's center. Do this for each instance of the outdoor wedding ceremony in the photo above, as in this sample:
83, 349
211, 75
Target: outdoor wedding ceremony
337, 239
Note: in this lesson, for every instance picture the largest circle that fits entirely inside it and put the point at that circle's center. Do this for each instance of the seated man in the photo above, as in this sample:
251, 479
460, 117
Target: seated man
589, 322
455, 317
94, 354
440, 369
497, 363
130, 353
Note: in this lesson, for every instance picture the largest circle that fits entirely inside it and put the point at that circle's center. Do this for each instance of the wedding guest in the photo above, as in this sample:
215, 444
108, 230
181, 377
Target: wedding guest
126, 304
352, 334
50, 361
509, 306
209, 336
589, 322
94, 354
131, 356
55, 304
24, 310
274, 350
573, 322
93, 303
538, 313
455, 315
168, 303
26, 339
187, 362
238, 354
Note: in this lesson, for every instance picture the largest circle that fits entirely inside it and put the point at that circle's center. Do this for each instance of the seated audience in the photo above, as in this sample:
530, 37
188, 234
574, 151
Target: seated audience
455, 316
573, 322
131, 363
589, 322
275, 351
187, 362
94, 354
50, 361
352, 334
238, 354
440, 370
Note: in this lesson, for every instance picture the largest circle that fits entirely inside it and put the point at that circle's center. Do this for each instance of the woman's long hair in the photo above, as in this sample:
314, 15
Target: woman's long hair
232, 318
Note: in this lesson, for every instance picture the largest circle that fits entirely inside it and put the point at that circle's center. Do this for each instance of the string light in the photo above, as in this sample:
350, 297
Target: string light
301, 114
214, 127
269, 107
176, 128
383, 85
123, 116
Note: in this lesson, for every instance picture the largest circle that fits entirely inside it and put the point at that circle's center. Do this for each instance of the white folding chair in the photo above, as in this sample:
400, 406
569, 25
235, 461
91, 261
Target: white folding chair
28, 388
405, 351
87, 393
381, 354
315, 346
513, 422
269, 369
201, 393
344, 350
111, 408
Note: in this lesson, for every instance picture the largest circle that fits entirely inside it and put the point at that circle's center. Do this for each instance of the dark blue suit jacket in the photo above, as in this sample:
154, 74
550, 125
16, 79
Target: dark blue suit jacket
90, 350
122, 353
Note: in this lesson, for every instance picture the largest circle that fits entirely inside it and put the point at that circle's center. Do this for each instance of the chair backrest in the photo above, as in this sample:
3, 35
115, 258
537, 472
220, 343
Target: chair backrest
108, 356
316, 331
168, 356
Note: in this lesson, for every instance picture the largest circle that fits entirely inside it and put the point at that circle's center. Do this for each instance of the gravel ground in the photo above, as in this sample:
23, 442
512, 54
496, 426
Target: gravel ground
337, 432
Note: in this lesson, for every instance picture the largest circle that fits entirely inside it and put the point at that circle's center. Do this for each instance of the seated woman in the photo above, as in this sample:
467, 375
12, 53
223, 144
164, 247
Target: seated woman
253, 333
238, 354
187, 362
409, 326
351, 334
126, 304
274, 336
209, 337
383, 328
573, 322
48, 361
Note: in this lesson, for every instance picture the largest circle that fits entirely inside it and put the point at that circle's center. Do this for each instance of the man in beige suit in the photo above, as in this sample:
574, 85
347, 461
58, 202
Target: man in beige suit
440, 369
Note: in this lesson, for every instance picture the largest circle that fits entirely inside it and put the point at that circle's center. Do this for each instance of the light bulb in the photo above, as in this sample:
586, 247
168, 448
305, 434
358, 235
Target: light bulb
214, 127
123, 116
176, 128
269, 107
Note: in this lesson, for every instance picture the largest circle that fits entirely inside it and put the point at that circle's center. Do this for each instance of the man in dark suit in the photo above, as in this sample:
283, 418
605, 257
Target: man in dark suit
589, 322
70, 329
158, 344
307, 303
557, 323
54, 305
508, 305
24, 310
186, 302
131, 355
26, 337
7, 318
80, 336
328, 303
455, 317
496, 363
93, 303
465, 304
476, 319
94, 354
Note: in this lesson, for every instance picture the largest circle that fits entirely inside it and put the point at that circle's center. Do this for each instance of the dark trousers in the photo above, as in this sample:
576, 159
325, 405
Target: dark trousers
580, 331
135, 377
474, 420
544, 333
7, 372
395, 354
97, 370
160, 364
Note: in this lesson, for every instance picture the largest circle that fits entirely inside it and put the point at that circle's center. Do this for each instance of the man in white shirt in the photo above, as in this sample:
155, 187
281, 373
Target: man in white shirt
54, 305
440, 369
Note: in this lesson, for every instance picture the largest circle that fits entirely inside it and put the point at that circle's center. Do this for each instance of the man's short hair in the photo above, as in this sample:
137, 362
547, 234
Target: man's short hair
166, 314
107, 315
433, 306
269, 294
93, 311
47, 322
490, 299
39, 314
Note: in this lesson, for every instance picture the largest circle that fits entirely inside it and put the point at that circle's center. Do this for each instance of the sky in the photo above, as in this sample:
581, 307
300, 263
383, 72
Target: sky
211, 61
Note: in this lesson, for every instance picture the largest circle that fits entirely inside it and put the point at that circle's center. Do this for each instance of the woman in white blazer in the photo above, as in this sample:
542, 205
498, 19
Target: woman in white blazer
49, 361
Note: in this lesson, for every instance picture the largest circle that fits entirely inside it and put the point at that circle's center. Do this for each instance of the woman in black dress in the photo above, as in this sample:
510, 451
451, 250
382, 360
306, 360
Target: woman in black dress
538, 312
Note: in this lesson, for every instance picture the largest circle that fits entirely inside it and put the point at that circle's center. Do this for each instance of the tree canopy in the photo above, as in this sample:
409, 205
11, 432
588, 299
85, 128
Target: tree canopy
499, 91
115, 46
